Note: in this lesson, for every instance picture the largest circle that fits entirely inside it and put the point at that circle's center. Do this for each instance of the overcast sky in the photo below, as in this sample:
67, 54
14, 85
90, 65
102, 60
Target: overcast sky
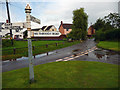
51, 12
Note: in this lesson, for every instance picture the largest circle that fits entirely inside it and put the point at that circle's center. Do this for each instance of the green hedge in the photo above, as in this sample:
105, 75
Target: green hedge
113, 34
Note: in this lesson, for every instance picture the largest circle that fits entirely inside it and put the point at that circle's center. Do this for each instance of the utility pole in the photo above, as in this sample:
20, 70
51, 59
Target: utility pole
28, 22
9, 21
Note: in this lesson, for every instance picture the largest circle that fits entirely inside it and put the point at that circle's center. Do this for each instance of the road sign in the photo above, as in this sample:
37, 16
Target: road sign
32, 18
12, 26
7, 25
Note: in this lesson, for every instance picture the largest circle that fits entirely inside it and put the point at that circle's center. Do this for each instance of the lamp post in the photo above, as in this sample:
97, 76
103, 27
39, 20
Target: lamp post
28, 23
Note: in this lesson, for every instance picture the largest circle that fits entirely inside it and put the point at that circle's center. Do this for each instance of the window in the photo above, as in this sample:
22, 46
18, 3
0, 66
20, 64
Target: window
35, 33
17, 30
67, 29
52, 29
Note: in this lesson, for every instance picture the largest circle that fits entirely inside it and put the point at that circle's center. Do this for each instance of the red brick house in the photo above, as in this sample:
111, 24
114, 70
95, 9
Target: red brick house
91, 31
65, 28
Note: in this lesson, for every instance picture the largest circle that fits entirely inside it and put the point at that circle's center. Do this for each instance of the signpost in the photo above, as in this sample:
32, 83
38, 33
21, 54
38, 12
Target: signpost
28, 24
34, 19
9, 26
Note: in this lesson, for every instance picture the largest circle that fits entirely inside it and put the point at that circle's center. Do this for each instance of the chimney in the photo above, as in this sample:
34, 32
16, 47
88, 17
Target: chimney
7, 21
61, 22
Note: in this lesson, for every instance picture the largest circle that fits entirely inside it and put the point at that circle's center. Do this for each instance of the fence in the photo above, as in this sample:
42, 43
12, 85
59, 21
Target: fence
12, 54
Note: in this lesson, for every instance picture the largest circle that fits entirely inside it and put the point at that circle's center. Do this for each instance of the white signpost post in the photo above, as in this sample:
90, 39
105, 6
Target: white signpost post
30, 18
28, 24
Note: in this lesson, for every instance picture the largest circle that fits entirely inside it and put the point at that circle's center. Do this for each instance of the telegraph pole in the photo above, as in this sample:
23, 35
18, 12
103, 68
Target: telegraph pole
28, 22
9, 21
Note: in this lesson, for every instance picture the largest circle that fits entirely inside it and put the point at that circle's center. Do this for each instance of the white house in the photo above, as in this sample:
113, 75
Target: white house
45, 31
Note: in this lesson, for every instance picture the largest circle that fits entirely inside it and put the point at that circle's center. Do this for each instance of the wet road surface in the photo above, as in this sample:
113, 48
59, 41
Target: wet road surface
85, 51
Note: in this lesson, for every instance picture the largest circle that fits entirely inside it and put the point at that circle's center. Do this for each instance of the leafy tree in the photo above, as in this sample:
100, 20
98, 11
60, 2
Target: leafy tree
99, 24
113, 19
109, 22
80, 22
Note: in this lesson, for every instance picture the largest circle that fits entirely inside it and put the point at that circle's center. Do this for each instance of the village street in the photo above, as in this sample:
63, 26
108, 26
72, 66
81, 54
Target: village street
85, 51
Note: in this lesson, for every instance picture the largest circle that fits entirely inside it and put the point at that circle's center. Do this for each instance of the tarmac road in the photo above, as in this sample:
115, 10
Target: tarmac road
81, 51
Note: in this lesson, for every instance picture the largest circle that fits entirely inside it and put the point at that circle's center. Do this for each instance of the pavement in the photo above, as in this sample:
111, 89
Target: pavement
79, 51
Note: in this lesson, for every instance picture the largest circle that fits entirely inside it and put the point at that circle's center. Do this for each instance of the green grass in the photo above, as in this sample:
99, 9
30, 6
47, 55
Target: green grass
20, 44
40, 47
71, 74
111, 45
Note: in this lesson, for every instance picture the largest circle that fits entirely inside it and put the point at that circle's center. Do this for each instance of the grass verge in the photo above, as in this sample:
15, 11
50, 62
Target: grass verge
39, 47
110, 45
71, 74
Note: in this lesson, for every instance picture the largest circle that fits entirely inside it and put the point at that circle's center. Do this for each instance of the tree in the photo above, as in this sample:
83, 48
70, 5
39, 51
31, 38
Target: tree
113, 19
80, 22
109, 22
99, 24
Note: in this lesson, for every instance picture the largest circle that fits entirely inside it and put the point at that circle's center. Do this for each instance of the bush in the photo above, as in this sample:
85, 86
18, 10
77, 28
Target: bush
100, 35
113, 34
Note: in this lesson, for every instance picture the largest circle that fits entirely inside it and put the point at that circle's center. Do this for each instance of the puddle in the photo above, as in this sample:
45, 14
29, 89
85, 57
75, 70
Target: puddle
105, 55
36, 56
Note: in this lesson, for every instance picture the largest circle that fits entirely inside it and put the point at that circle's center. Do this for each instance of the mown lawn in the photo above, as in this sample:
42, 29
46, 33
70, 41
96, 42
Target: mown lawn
39, 47
20, 44
111, 45
70, 74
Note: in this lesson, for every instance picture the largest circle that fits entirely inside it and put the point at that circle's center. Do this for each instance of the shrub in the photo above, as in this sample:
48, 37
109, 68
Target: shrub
113, 34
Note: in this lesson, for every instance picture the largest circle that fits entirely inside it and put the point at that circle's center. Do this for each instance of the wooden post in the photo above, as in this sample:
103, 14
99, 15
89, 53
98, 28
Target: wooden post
46, 45
34, 56
14, 50
33, 47
56, 44
47, 53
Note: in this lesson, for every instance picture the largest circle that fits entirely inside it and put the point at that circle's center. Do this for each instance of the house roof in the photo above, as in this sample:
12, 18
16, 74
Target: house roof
37, 29
48, 27
44, 27
67, 26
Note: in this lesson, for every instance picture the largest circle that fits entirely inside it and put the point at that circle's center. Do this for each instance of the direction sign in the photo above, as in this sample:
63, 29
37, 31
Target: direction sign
7, 25
13, 26
32, 18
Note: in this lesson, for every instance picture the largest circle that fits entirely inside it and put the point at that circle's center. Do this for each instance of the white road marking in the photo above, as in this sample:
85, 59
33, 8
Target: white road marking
78, 55
59, 60
68, 59
65, 57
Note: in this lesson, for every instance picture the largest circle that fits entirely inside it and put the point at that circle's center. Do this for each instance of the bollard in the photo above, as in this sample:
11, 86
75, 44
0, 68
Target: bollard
14, 50
46, 45
56, 44
33, 47
47, 53
34, 56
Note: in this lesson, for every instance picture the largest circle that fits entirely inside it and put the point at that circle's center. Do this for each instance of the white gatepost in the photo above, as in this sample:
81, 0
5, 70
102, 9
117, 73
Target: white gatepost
28, 22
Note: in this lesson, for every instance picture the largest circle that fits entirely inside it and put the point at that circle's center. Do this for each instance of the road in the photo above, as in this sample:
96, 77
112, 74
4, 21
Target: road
85, 51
